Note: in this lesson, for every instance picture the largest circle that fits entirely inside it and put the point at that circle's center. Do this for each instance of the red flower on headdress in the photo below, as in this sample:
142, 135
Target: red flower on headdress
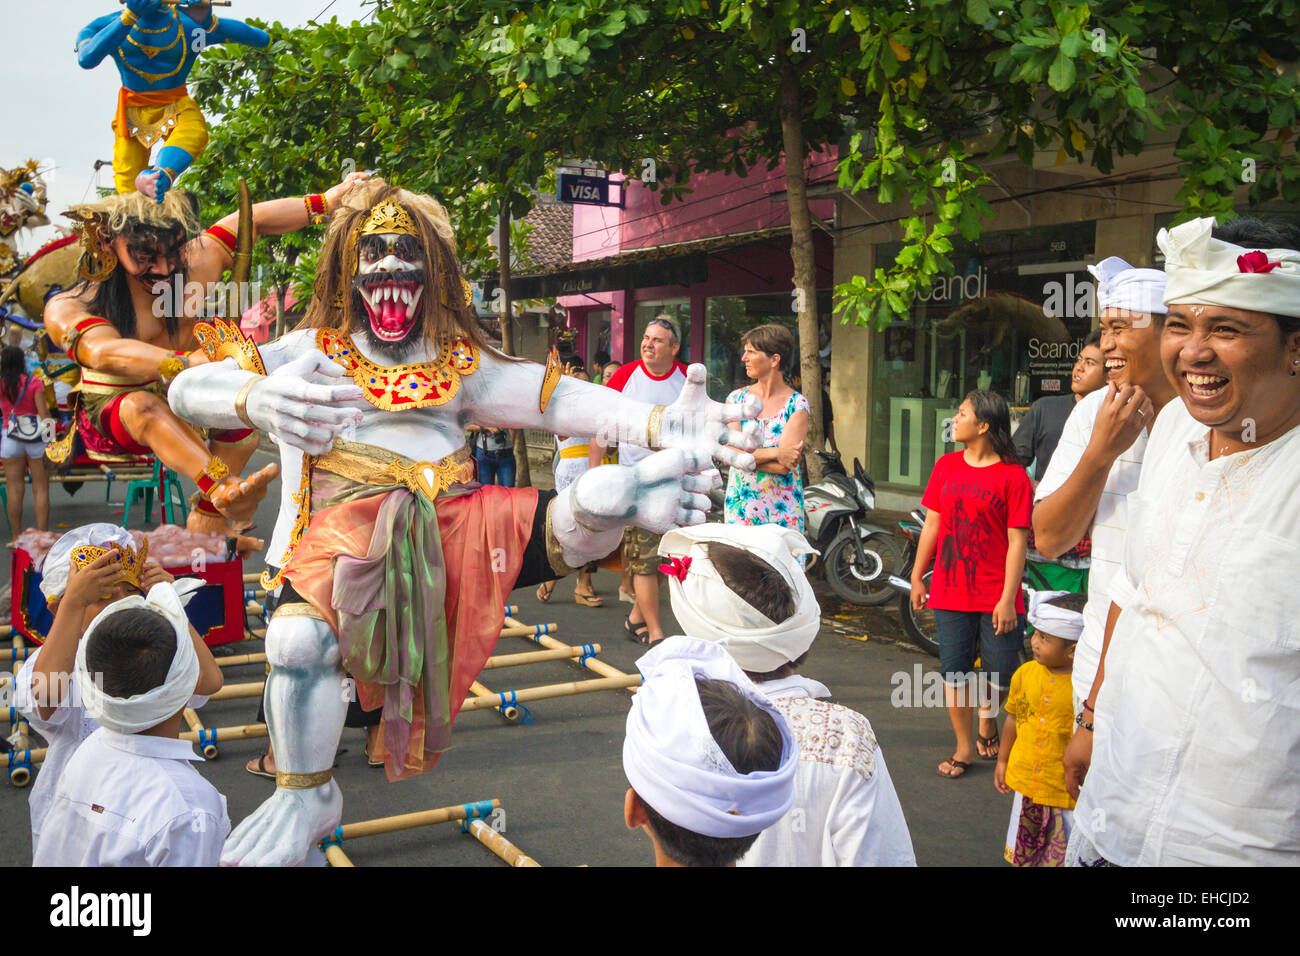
1255, 261
676, 567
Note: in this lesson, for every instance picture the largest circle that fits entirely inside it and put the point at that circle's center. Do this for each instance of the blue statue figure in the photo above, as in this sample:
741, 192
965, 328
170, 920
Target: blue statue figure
155, 44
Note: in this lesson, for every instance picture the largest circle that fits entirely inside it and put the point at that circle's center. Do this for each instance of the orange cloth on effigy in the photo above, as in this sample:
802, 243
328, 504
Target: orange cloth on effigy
127, 98
483, 537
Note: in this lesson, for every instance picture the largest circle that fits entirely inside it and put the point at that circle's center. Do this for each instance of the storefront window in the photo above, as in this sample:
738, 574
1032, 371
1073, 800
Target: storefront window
730, 317
597, 341
1012, 320
679, 310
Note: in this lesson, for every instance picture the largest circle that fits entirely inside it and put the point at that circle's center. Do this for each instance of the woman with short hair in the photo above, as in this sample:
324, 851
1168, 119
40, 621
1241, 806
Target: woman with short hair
22, 446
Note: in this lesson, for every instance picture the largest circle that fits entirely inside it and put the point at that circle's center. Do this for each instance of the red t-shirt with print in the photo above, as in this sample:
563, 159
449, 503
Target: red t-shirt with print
976, 506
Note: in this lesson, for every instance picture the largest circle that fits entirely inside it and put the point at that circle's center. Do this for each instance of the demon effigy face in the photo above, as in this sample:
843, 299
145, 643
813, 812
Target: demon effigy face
390, 277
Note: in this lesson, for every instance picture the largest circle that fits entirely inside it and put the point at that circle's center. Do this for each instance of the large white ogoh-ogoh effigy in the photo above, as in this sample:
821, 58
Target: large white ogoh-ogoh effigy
378, 507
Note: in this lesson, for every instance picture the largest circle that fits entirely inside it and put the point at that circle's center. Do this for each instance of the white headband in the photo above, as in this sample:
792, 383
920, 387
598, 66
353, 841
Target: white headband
1208, 271
54, 567
133, 714
1056, 621
707, 609
673, 762
1122, 286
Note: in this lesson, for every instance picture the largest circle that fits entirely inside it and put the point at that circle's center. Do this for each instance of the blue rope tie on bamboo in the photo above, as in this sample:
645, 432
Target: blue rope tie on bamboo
334, 839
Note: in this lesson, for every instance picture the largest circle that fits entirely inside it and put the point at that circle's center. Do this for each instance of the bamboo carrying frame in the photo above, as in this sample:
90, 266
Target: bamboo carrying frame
470, 816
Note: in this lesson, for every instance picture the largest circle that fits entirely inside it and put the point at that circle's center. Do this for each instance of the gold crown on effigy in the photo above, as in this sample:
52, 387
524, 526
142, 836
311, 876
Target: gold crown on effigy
388, 216
132, 562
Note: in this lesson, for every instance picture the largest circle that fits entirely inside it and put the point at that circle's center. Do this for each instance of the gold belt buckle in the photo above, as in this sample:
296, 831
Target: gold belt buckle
430, 478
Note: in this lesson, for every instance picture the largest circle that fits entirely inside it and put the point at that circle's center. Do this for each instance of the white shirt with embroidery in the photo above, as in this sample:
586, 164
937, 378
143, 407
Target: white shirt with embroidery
1196, 754
133, 800
1107, 528
846, 811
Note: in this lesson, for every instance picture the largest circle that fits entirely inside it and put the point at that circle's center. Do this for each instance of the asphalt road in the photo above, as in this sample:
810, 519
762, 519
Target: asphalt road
560, 778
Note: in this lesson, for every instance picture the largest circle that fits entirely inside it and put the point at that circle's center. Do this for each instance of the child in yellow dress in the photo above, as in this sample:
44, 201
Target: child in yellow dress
1040, 718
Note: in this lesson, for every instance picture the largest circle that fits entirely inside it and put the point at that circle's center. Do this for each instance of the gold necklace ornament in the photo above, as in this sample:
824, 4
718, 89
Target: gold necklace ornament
400, 387
175, 21
153, 51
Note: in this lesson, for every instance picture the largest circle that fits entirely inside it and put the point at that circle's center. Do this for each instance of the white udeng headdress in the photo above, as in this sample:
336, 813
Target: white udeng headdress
1208, 271
1123, 286
674, 764
133, 714
1056, 621
707, 609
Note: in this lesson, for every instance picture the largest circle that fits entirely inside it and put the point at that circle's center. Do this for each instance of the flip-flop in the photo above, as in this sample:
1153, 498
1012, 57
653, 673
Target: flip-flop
544, 593
261, 770
588, 600
987, 743
956, 764
640, 634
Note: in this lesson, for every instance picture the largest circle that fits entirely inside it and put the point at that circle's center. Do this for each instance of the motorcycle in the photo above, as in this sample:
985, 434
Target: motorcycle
857, 557
919, 626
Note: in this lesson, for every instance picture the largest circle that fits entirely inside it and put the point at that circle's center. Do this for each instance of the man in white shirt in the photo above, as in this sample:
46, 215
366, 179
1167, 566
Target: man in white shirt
107, 568
1197, 698
1099, 457
657, 379
128, 796
743, 588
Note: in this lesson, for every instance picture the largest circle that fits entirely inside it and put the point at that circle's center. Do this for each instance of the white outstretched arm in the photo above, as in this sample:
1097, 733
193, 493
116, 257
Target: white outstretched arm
296, 402
505, 394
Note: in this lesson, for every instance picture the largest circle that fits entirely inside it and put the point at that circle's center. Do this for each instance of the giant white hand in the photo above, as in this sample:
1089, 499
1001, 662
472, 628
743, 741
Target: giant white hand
697, 424
663, 491
298, 411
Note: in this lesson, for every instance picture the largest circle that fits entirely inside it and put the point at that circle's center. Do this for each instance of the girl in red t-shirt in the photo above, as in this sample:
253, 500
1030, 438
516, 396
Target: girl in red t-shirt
977, 531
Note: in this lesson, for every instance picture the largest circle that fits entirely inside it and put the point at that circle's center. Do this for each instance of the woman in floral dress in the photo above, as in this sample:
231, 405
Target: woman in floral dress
773, 494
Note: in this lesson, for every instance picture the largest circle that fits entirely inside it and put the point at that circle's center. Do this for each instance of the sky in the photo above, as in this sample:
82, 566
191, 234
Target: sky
59, 114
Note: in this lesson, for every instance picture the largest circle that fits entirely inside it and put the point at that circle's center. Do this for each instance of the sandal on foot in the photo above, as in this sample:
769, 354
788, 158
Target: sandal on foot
588, 600
955, 764
627, 597
987, 747
371, 761
261, 770
640, 633
544, 592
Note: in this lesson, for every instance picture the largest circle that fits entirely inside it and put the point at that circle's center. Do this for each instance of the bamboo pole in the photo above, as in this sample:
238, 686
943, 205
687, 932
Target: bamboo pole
556, 690
19, 645
253, 576
6, 630
253, 607
536, 657
238, 659
22, 776
527, 630
241, 732
408, 821
336, 856
499, 845
592, 664
236, 691
210, 750
512, 609
16, 654
508, 711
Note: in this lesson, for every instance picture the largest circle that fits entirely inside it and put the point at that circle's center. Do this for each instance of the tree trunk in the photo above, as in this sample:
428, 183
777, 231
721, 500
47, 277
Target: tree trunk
805, 265
523, 475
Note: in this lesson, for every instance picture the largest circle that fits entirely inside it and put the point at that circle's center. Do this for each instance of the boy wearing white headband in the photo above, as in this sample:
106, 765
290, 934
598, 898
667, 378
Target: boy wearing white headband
128, 796
711, 763
742, 588
1040, 719
1195, 708
85, 571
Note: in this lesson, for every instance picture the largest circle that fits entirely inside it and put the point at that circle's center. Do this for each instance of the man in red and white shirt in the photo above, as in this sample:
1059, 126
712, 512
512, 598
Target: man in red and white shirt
658, 379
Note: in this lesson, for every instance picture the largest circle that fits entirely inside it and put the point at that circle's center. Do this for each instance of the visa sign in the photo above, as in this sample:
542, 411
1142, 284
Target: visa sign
586, 189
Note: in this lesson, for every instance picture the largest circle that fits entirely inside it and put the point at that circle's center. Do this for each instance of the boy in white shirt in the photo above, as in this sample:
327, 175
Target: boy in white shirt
45, 692
128, 797
743, 588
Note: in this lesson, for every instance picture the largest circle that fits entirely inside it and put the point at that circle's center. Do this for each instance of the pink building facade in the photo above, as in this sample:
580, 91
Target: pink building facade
730, 237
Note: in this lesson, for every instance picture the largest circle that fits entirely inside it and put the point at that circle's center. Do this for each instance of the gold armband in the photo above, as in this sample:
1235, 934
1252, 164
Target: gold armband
170, 367
302, 781
652, 426
241, 401
129, 18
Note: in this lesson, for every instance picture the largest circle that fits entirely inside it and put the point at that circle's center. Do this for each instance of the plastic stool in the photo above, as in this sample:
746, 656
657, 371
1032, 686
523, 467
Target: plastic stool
167, 484
146, 487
